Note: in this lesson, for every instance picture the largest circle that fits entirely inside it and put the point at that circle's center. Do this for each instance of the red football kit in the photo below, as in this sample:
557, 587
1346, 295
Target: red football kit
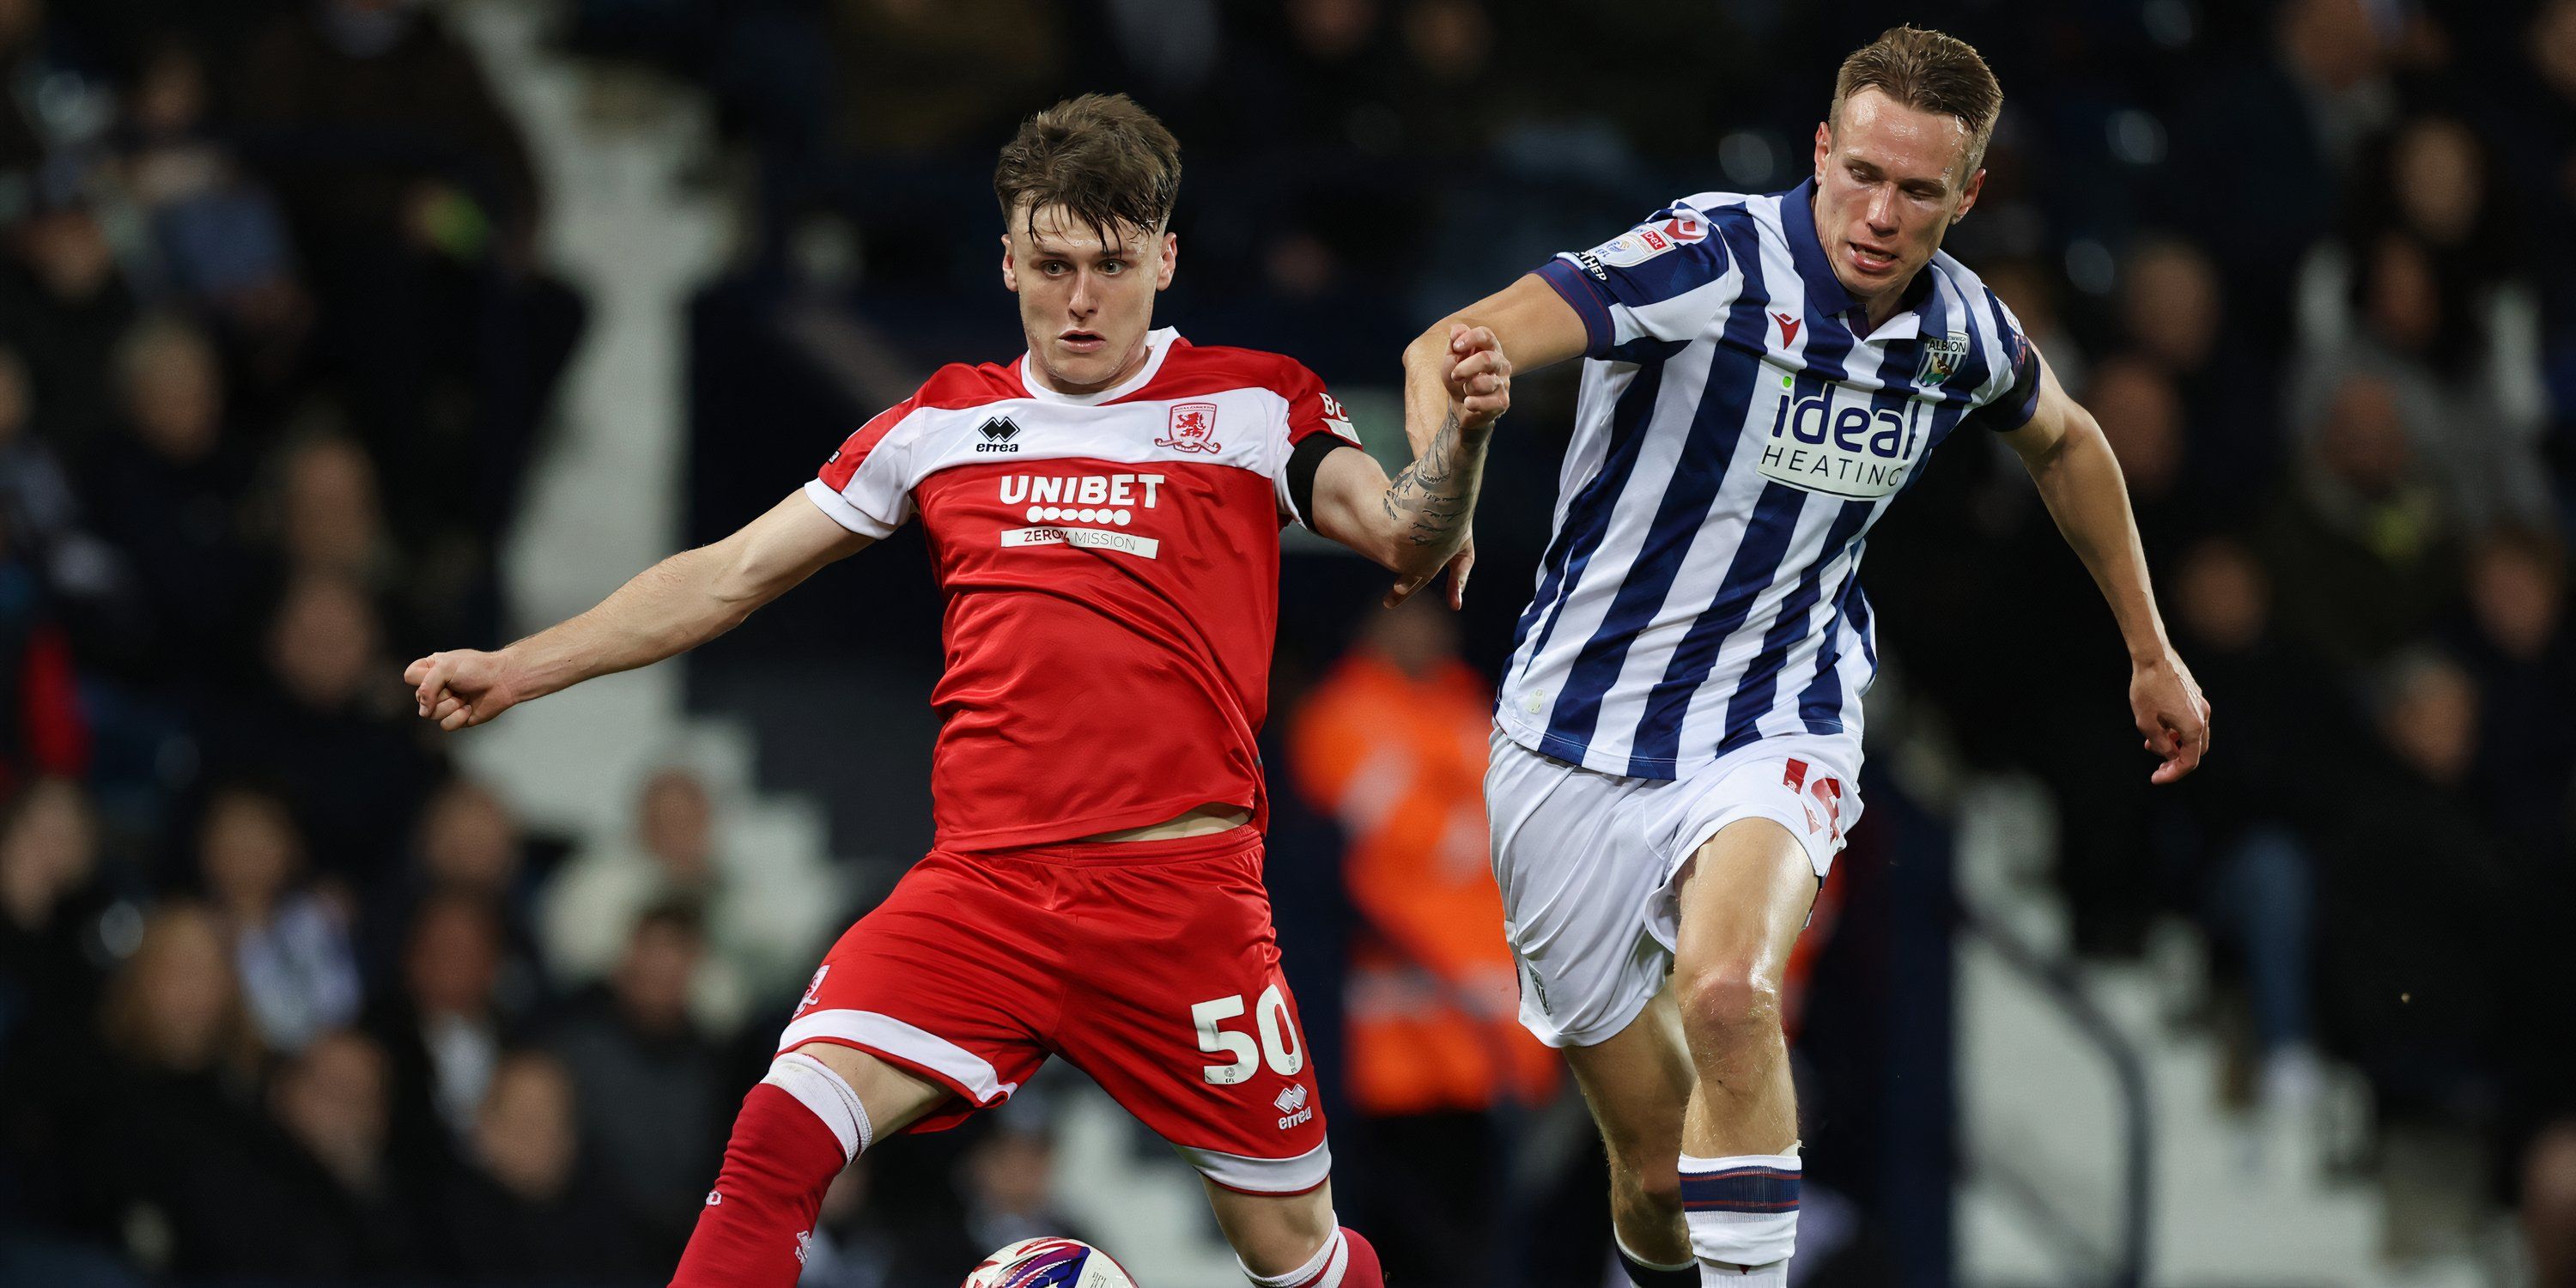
1111, 563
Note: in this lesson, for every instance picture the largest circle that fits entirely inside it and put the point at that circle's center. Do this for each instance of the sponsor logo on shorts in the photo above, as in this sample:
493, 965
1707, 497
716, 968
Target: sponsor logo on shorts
1817, 793
1292, 1106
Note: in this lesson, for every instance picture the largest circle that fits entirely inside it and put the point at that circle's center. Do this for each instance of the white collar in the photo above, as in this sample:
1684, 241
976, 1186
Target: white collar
1158, 342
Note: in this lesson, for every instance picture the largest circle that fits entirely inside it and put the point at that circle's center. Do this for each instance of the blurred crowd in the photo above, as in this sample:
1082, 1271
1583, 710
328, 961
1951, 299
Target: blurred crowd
2294, 255
285, 994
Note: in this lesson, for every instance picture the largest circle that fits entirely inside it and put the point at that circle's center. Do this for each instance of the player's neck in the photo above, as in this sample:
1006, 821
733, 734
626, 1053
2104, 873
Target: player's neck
1888, 303
1126, 371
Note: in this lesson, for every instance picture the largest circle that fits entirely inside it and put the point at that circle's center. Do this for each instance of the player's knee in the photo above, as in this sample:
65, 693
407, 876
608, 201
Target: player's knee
1728, 1001
1645, 1178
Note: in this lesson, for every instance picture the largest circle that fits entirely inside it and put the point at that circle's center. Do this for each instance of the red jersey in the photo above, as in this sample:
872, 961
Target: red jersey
1111, 563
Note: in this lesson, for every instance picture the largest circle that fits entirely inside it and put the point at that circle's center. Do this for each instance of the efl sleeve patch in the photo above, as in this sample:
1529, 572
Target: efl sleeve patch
1672, 253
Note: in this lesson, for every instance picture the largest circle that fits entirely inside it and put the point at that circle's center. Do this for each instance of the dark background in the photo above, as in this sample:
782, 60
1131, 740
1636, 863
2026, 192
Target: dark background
267, 260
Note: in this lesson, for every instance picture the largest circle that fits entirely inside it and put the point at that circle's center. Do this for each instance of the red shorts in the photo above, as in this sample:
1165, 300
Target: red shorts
1150, 966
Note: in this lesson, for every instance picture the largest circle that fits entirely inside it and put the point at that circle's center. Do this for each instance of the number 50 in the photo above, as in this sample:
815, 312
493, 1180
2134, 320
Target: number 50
1280, 1046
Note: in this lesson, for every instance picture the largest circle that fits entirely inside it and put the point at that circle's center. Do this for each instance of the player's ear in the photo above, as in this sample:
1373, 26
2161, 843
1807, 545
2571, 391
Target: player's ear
1010, 269
1968, 198
1166, 260
1824, 145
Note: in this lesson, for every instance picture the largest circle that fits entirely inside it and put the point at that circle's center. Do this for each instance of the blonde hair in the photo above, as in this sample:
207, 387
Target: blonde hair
1928, 71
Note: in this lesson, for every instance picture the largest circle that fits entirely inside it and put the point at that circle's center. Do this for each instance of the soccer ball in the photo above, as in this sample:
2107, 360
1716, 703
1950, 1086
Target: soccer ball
1049, 1263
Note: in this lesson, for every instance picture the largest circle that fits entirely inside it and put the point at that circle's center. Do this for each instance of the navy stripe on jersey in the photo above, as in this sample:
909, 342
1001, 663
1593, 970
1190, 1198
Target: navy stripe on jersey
1587, 520
1683, 510
1766, 541
2019, 401
1757, 691
1820, 704
1755, 695
1701, 589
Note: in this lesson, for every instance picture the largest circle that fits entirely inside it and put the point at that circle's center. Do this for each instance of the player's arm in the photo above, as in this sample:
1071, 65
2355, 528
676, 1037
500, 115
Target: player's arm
669, 608
1413, 523
1535, 328
2079, 478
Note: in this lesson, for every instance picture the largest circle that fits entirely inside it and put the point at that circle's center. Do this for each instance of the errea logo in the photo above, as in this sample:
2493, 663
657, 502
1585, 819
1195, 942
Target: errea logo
998, 433
1291, 1104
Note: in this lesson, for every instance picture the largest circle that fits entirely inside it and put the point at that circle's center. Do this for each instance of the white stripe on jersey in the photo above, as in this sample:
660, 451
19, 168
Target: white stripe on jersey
1734, 441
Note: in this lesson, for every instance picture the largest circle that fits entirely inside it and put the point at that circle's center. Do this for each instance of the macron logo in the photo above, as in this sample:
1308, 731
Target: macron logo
998, 433
1788, 328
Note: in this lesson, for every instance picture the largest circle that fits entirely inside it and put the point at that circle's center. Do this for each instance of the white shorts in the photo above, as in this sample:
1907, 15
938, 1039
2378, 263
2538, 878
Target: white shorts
1586, 862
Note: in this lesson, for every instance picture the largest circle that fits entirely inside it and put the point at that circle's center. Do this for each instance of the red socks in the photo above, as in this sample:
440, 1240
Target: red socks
1363, 1271
1345, 1261
756, 1224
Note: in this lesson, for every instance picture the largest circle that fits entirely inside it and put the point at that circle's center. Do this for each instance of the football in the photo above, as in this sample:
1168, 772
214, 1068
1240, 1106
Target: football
1049, 1263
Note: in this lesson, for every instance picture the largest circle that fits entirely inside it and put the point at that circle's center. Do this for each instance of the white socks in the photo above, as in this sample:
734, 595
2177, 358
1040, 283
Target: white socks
1742, 1212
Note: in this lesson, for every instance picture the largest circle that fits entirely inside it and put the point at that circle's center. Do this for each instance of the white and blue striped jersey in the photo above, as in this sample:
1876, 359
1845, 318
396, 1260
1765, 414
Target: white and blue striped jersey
1739, 430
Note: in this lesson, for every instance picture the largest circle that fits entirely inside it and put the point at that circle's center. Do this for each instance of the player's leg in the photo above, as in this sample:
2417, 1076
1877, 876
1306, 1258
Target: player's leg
905, 1026
1293, 1240
1744, 897
1637, 1083
818, 1107
1580, 874
1181, 1014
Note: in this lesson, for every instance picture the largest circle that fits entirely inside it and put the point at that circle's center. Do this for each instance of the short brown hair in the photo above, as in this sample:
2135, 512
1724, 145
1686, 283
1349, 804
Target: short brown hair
1929, 72
1108, 162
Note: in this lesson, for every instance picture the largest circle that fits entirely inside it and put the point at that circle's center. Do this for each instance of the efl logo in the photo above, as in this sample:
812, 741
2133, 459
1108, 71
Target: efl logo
1193, 428
811, 991
1644, 242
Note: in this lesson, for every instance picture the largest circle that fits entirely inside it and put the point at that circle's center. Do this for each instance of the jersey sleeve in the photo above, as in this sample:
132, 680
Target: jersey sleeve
1663, 279
866, 486
2010, 396
1315, 426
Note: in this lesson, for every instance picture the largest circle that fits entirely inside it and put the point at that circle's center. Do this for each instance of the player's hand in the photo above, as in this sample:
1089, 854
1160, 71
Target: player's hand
1479, 377
2172, 714
461, 689
1459, 565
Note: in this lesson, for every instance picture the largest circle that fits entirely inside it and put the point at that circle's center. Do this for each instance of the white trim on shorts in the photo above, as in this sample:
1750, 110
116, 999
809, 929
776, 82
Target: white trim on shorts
1262, 1175
869, 1031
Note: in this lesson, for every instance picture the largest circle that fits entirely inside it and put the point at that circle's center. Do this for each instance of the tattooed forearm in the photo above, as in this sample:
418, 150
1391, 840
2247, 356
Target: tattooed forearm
1434, 497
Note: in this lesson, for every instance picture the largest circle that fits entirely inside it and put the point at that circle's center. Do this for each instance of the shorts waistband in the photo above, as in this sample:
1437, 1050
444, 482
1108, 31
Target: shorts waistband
1170, 849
